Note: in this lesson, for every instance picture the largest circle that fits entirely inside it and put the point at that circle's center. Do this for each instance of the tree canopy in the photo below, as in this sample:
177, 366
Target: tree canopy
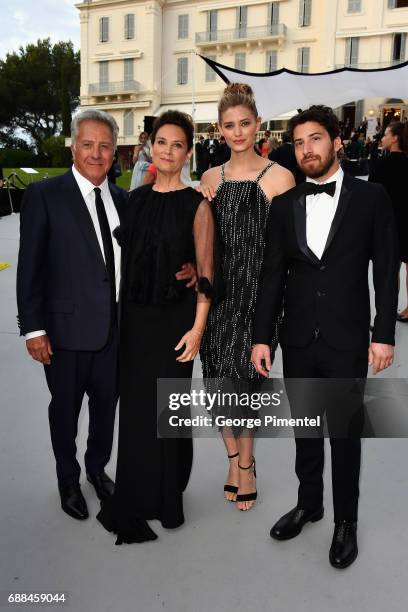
39, 88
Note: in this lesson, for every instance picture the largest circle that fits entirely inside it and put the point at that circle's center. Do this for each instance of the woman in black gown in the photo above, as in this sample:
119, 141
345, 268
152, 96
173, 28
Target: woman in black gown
391, 171
162, 323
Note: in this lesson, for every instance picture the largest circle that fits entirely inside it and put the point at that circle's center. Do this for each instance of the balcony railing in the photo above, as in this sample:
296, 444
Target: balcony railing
369, 66
236, 34
114, 87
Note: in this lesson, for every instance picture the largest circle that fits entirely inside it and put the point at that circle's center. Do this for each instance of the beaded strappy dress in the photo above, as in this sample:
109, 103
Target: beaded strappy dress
241, 211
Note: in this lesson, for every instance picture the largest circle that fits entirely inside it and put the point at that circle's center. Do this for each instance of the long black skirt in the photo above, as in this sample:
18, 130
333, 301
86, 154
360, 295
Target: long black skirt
151, 473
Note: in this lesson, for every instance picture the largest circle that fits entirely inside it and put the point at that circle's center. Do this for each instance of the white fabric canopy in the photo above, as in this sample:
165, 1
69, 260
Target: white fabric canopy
283, 90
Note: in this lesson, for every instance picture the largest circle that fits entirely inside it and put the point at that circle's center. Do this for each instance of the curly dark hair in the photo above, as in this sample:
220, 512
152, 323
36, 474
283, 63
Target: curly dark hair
174, 117
323, 115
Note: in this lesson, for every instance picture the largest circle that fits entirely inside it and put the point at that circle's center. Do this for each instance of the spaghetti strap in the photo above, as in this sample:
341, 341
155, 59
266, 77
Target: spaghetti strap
222, 173
260, 175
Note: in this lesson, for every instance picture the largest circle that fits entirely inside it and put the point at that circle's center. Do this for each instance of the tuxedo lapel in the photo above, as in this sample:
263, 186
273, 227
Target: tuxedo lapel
81, 214
299, 211
342, 206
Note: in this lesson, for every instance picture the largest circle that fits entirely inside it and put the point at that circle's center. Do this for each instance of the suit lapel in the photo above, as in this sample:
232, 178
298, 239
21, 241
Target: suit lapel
342, 206
81, 214
299, 211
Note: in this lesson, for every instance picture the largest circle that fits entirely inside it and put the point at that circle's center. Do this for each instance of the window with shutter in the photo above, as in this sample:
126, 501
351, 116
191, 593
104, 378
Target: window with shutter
351, 57
305, 13
392, 4
182, 70
303, 59
354, 6
273, 8
271, 60
212, 24
399, 47
129, 26
183, 26
104, 29
242, 21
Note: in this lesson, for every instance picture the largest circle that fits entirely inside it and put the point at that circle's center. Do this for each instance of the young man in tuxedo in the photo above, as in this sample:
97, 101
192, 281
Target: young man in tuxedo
320, 238
68, 281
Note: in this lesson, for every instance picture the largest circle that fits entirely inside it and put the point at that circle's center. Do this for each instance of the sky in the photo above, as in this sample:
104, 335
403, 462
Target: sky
25, 21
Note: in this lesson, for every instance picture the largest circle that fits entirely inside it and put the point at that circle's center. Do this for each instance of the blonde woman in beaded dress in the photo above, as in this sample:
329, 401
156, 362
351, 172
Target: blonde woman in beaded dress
241, 192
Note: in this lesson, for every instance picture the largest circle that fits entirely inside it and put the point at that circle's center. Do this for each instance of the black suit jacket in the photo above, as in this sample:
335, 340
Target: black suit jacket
62, 282
330, 297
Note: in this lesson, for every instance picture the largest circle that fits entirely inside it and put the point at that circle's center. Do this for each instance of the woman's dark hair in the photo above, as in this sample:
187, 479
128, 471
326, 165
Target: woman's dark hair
319, 114
174, 117
400, 129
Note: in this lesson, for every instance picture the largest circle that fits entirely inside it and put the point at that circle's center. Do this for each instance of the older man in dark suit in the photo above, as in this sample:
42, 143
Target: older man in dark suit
68, 283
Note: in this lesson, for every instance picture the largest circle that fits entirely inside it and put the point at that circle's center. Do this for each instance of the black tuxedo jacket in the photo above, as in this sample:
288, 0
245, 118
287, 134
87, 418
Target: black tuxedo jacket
330, 297
62, 282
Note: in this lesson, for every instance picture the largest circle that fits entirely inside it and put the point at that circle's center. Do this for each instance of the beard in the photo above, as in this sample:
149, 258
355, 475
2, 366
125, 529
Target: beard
322, 167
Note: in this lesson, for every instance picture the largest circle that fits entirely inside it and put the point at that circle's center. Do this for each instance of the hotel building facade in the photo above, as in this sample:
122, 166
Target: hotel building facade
139, 57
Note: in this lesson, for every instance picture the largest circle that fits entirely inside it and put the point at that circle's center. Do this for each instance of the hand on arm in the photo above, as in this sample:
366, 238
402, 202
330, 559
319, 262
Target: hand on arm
206, 186
187, 272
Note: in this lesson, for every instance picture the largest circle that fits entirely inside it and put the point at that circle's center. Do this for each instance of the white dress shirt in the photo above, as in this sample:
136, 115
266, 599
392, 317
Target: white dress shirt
87, 191
320, 211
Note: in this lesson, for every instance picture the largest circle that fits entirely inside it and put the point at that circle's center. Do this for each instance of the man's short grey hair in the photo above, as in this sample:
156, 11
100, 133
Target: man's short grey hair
94, 115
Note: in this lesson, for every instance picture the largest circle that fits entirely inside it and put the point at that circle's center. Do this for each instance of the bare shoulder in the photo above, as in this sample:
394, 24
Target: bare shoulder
277, 180
212, 177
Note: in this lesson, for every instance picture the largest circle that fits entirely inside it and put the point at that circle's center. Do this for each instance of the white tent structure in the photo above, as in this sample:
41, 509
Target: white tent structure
284, 91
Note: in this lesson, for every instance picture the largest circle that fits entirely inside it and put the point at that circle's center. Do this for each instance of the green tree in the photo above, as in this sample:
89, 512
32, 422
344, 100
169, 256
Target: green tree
39, 88
57, 154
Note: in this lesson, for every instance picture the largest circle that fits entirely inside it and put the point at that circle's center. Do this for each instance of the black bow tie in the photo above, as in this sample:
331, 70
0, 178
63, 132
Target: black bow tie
314, 188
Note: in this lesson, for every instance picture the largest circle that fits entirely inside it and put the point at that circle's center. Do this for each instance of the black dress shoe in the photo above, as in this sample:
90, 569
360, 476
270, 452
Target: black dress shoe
291, 524
104, 486
343, 550
73, 502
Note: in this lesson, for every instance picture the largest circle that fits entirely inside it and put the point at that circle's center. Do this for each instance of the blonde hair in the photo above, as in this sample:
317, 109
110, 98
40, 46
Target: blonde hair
237, 94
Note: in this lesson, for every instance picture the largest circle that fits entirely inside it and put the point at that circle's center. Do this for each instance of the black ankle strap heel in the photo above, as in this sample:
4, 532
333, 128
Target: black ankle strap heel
248, 496
231, 488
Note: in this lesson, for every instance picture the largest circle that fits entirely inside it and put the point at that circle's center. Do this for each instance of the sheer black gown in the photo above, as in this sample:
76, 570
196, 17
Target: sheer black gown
160, 233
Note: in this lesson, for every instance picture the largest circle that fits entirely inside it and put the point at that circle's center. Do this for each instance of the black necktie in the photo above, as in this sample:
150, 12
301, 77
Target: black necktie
314, 188
107, 246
